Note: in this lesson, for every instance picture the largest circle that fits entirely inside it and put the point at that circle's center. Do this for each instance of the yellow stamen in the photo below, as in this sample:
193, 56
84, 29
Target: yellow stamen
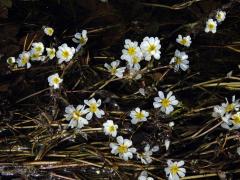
56, 80
122, 149
165, 102
183, 41
178, 60
111, 128
174, 169
65, 54
93, 107
236, 119
151, 48
211, 26
135, 60
229, 107
76, 115
131, 51
139, 115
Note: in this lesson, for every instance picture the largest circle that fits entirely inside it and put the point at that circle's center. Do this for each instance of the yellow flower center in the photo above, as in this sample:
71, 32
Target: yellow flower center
174, 169
93, 107
139, 115
38, 49
135, 60
56, 80
131, 51
25, 59
65, 54
178, 60
76, 115
122, 149
82, 40
229, 107
151, 48
111, 128
50, 31
165, 102
211, 26
236, 119
113, 70
183, 41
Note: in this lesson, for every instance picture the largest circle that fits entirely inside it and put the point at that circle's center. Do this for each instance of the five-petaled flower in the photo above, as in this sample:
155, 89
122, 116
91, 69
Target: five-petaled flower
185, 41
151, 48
54, 81
75, 116
165, 103
175, 170
48, 31
211, 26
123, 148
180, 61
93, 108
114, 70
110, 128
65, 53
138, 115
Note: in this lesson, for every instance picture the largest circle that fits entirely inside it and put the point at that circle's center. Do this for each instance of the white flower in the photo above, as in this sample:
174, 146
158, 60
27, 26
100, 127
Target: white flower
75, 116
23, 59
180, 61
220, 16
175, 170
110, 128
146, 156
114, 70
37, 48
167, 144
151, 47
144, 176
11, 60
65, 53
166, 104
51, 52
211, 26
234, 106
134, 61
48, 31
185, 41
81, 39
54, 81
122, 147
130, 50
138, 115
93, 108
171, 124
235, 119
238, 151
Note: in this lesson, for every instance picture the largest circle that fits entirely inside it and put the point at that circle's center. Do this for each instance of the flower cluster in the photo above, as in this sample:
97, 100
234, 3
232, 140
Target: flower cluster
36, 53
80, 115
211, 24
229, 113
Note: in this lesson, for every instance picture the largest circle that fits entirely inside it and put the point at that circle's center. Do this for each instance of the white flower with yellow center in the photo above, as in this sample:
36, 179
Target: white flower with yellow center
235, 119
51, 52
234, 106
123, 148
134, 62
165, 103
54, 81
114, 70
211, 26
146, 156
151, 48
75, 116
220, 16
23, 59
130, 50
37, 57
48, 31
110, 128
65, 53
185, 41
81, 39
37, 48
144, 176
11, 60
180, 61
93, 108
175, 170
138, 115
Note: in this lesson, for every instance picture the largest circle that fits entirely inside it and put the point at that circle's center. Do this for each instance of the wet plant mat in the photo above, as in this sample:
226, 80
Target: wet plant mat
120, 89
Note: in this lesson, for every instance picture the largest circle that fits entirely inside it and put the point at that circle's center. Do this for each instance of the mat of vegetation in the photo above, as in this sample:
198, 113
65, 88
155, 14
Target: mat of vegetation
119, 89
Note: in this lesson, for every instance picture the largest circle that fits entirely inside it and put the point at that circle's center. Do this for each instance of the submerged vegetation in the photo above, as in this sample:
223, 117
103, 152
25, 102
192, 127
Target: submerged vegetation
116, 89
